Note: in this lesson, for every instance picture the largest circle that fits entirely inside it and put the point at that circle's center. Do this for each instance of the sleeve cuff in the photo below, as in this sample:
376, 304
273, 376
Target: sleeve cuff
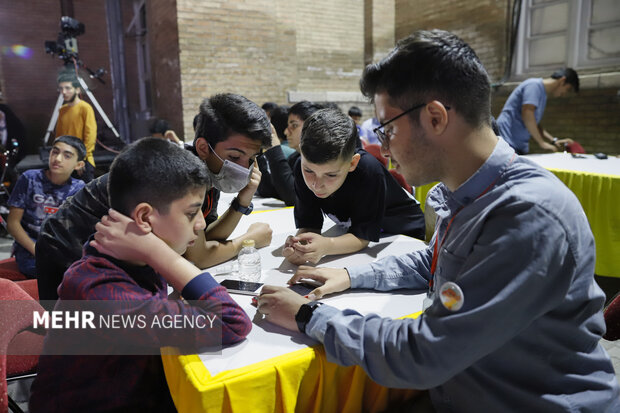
361, 276
318, 323
198, 285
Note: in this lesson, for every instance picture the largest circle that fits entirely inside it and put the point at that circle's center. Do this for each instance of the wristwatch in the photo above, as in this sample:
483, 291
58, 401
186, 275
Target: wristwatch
244, 210
304, 314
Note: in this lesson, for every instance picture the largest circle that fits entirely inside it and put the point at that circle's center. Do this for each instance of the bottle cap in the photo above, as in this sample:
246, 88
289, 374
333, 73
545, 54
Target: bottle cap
248, 243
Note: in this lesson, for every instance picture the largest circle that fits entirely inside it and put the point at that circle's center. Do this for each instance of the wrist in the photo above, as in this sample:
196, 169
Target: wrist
241, 206
304, 314
554, 140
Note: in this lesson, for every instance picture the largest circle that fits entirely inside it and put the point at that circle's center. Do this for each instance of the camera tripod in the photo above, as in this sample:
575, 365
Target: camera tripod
59, 101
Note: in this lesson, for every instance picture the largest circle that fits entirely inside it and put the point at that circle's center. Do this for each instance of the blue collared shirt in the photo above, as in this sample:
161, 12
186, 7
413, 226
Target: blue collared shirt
527, 336
510, 122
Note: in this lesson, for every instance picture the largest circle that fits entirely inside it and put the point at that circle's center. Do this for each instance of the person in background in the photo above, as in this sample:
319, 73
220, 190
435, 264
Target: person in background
348, 185
77, 118
269, 107
161, 129
278, 165
367, 133
520, 118
356, 114
38, 194
512, 318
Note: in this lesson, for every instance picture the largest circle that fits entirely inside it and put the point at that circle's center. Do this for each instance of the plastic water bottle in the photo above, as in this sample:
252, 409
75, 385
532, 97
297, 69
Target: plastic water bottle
249, 262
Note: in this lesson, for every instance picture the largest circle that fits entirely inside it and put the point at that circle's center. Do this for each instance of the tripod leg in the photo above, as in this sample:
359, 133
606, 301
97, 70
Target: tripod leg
52, 125
99, 109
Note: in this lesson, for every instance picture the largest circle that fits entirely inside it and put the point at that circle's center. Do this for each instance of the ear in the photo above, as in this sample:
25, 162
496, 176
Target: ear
142, 214
202, 148
355, 159
435, 115
79, 165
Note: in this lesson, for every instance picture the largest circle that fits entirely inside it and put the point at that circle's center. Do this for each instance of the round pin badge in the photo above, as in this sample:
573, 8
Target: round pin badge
451, 296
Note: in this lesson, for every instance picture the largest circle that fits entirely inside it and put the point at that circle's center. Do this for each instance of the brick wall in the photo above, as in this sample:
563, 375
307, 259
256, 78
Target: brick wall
266, 49
165, 64
592, 117
29, 84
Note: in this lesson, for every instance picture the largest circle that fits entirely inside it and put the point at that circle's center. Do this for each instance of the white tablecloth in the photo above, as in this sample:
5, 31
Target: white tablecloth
266, 340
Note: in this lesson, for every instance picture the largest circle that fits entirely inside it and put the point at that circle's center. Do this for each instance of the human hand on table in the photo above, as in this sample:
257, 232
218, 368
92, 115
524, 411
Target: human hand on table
280, 305
261, 233
120, 237
306, 247
560, 143
334, 280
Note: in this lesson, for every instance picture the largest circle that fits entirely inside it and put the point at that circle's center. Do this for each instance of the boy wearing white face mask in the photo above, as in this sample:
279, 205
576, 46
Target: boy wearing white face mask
230, 132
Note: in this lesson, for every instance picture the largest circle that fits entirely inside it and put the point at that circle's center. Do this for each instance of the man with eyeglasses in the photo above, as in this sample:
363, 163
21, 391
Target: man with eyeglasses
230, 132
512, 318
77, 118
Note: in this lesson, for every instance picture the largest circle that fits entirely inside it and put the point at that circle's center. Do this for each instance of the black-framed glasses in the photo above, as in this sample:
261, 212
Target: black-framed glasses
382, 136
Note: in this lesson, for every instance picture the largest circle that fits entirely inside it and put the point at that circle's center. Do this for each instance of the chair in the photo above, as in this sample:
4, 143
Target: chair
430, 218
401, 180
16, 339
612, 319
375, 150
575, 147
10, 270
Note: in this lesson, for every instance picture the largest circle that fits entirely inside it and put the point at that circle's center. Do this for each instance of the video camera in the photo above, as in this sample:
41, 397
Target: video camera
66, 46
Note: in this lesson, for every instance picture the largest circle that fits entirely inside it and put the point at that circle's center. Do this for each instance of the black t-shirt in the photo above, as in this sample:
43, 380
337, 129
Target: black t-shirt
370, 201
277, 180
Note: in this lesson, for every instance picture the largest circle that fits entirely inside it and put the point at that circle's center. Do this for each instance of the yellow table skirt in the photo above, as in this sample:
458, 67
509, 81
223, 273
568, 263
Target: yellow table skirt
599, 196
301, 381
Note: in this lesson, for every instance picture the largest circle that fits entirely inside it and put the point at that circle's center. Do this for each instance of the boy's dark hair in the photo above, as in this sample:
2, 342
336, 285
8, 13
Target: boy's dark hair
269, 107
224, 114
355, 111
572, 78
68, 76
432, 65
74, 142
304, 109
156, 171
328, 135
279, 120
159, 126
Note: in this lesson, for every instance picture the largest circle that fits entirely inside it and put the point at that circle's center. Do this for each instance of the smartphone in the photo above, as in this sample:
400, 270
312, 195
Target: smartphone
302, 288
241, 287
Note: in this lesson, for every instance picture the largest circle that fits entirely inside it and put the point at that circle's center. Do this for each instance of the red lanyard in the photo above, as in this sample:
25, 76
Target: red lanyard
435, 249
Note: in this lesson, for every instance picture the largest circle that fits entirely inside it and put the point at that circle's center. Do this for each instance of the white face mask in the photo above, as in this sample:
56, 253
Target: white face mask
232, 177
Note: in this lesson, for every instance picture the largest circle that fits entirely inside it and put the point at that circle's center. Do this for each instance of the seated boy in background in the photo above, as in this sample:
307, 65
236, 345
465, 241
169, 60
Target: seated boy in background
159, 187
350, 186
38, 193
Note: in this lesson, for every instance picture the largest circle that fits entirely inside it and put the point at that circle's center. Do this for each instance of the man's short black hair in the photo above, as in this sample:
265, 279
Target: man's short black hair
223, 114
74, 142
68, 76
432, 65
159, 126
355, 111
269, 107
572, 78
304, 109
279, 120
328, 135
155, 171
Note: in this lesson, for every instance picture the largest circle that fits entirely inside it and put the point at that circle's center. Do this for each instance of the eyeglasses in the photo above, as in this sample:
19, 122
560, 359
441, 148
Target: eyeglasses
384, 139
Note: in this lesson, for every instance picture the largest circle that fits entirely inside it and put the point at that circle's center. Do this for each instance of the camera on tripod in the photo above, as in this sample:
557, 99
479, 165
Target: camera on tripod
66, 46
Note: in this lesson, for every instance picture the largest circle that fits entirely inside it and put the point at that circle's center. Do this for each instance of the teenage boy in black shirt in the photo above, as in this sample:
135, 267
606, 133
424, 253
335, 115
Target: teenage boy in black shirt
350, 186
